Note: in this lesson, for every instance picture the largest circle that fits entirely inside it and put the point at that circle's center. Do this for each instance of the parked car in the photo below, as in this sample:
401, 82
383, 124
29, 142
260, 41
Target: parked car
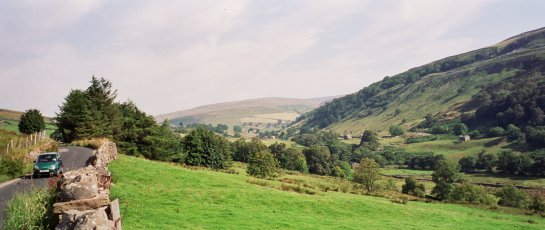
49, 164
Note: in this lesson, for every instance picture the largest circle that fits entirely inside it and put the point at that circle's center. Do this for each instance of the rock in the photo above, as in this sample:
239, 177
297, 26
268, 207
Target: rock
101, 200
79, 184
85, 220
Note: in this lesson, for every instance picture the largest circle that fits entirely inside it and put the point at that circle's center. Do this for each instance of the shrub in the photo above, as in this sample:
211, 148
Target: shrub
262, 164
537, 204
396, 130
412, 188
496, 131
467, 163
31, 121
30, 210
473, 194
389, 185
512, 197
513, 132
367, 174
459, 129
12, 167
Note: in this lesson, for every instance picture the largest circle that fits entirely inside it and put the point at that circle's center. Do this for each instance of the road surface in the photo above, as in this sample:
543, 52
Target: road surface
72, 158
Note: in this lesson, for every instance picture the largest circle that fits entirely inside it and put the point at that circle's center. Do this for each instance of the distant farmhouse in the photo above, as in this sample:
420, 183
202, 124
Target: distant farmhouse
464, 138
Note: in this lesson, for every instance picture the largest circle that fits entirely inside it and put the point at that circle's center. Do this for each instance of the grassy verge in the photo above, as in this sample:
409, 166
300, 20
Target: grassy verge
31, 210
158, 195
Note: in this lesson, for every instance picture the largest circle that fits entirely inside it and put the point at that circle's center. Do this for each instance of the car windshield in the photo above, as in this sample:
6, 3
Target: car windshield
46, 158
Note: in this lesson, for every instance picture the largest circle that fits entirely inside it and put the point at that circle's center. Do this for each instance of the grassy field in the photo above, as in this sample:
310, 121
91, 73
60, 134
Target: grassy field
455, 150
13, 125
158, 195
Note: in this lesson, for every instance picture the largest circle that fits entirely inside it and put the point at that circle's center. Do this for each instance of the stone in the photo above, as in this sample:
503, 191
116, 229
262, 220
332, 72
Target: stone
85, 220
101, 200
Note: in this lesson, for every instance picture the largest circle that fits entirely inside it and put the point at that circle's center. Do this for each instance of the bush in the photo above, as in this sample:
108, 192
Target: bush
412, 188
473, 194
537, 204
460, 129
30, 210
512, 197
467, 163
12, 167
513, 132
496, 131
31, 121
396, 130
262, 164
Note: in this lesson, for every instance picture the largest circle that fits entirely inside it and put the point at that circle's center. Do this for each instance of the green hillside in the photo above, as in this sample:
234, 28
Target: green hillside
158, 195
444, 88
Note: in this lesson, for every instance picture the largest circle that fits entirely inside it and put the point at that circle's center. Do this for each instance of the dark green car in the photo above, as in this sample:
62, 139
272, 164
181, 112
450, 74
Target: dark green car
48, 164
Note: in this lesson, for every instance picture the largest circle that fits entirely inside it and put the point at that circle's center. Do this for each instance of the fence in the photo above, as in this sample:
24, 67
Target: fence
25, 141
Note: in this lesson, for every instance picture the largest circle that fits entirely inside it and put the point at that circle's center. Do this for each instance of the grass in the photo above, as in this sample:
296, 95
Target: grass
30, 210
397, 171
158, 195
454, 150
13, 125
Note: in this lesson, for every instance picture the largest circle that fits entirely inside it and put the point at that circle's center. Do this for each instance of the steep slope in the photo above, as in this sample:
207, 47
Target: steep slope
444, 87
263, 110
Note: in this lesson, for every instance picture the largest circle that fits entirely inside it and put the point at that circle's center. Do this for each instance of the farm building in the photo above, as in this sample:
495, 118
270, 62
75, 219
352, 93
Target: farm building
464, 138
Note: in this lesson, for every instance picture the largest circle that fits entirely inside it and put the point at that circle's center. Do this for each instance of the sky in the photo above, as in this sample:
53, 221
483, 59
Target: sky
171, 55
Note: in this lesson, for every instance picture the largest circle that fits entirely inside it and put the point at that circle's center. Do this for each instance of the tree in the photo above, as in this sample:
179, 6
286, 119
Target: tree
318, 159
289, 158
486, 161
367, 174
262, 164
512, 197
90, 113
496, 131
237, 129
163, 144
444, 176
243, 151
467, 163
473, 194
412, 188
396, 130
31, 121
460, 129
513, 132
204, 148
369, 140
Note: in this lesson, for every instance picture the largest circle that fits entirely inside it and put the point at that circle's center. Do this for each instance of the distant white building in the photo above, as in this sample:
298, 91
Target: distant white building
464, 138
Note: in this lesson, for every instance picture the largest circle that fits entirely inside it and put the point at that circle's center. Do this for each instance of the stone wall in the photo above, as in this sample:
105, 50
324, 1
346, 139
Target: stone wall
85, 195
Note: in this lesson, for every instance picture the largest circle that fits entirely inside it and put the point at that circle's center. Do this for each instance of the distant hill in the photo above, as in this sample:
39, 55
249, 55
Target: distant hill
10, 114
262, 110
6, 114
445, 88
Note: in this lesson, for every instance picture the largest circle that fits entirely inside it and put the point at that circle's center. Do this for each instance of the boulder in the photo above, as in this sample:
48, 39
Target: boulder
79, 184
85, 220
101, 200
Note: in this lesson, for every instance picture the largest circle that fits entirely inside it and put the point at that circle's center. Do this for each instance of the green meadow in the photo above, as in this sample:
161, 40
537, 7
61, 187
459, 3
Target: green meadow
157, 195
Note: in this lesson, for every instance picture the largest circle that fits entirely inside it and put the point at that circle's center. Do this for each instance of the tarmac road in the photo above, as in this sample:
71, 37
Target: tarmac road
72, 158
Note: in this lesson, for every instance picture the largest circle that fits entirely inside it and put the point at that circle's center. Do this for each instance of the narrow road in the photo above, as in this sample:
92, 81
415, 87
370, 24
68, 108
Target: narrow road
72, 158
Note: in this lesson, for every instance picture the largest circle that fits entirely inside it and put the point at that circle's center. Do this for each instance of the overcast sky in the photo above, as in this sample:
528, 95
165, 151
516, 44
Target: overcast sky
172, 55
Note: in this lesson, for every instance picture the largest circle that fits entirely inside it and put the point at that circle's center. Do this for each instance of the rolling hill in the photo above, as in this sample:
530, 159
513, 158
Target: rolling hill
445, 88
263, 110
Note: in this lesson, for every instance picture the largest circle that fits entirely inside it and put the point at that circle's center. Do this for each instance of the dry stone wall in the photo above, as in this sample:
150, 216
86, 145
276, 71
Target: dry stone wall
85, 195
